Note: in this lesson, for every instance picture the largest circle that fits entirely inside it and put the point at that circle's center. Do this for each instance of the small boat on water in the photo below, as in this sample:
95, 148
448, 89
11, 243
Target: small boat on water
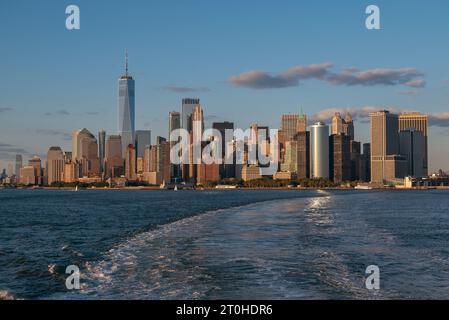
175, 188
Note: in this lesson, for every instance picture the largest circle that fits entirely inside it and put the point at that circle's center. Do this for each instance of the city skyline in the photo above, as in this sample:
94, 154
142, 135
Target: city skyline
83, 91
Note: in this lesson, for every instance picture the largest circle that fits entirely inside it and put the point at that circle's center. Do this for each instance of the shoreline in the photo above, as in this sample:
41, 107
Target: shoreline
154, 188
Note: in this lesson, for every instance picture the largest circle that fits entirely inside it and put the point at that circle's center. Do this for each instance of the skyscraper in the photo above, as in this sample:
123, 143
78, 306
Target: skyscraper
340, 125
337, 124
348, 126
36, 163
188, 104
130, 162
412, 145
78, 137
226, 170
143, 138
302, 122
174, 123
126, 108
101, 148
19, 163
114, 160
340, 157
303, 156
319, 150
386, 164
290, 125
418, 122
85, 151
55, 165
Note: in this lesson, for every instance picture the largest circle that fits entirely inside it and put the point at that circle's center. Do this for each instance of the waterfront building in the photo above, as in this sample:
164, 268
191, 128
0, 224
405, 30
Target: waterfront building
303, 155
174, 123
19, 164
28, 175
418, 122
36, 163
101, 148
130, 163
251, 172
71, 171
340, 157
114, 162
281, 175
55, 165
207, 173
226, 170
319, 150
412, 146
386, 163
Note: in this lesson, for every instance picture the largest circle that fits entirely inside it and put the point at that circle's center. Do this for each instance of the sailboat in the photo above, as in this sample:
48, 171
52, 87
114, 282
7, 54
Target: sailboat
76, 188
176, 188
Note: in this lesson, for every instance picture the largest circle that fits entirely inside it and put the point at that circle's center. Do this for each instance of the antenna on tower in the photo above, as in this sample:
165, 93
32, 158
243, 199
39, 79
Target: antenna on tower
126, 62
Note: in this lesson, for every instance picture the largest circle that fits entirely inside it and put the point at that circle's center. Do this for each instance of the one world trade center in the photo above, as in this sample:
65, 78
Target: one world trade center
126, 108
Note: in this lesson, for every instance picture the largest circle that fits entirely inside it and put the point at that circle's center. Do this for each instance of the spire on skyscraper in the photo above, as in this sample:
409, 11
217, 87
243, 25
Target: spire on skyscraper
126, 62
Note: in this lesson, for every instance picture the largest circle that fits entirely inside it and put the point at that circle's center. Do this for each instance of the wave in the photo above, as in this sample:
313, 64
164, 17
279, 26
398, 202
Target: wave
6, 295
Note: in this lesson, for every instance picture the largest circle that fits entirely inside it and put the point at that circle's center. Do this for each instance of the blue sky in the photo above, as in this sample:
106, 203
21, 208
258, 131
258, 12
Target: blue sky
54, 80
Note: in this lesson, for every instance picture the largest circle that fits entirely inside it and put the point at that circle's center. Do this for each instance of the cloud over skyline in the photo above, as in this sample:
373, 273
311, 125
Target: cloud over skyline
352, 76
436, 119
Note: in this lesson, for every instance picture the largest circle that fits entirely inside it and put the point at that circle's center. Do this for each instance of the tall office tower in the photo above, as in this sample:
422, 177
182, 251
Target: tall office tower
337, 123
281, 141
55, 165
355, 154
19, 163
260, 135
348, 126
101, 148
163, 159
302, 122
126, 108
150, 159
188, 104
386, 164
36, 163
174, 123
340, 157
114, 163
198, 121
366, 173
412, 145
197, 125
87, 154
226, 170
303, 157
290, 125
79, 136
143, 139
28, 175
319, 150
291, 157
130, 163
418, 122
